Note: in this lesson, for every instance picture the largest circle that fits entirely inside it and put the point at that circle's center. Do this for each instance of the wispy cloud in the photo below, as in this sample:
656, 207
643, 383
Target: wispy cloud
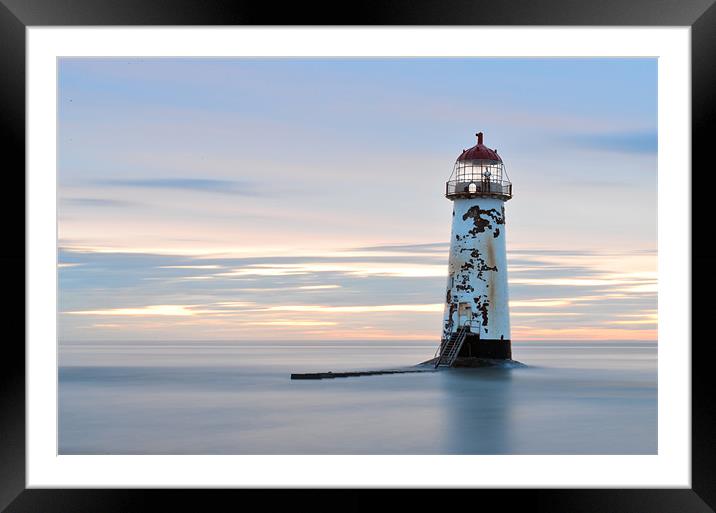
187, 184
323, 309
99, 202
618, 142
198, 266
292, 323
554, 295
318, 287
438, 247
152, 310
406, 269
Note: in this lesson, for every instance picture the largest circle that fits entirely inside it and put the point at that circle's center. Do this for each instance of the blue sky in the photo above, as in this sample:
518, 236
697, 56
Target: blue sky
303, 198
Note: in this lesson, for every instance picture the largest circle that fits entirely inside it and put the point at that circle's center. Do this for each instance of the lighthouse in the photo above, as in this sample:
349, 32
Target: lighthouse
476, 319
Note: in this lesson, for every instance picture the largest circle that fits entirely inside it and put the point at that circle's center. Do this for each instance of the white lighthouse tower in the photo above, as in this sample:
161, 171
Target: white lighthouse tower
476, 322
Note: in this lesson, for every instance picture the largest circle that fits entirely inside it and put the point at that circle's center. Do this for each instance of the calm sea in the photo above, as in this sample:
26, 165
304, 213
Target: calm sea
238, 398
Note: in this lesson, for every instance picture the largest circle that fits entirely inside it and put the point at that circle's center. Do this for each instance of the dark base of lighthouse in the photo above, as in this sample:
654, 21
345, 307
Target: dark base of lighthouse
476, 347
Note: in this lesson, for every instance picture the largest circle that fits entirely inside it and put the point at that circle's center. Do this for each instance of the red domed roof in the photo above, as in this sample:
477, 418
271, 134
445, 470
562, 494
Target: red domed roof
479, 152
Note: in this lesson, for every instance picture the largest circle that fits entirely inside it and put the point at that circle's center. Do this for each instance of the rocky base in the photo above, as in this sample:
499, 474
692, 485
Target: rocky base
505, 363
473, 363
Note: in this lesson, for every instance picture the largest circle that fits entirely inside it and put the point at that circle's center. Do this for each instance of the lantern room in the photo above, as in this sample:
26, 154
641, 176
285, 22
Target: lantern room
479, 172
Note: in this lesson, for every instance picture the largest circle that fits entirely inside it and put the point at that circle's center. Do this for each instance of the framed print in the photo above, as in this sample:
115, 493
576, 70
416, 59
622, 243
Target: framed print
425, 250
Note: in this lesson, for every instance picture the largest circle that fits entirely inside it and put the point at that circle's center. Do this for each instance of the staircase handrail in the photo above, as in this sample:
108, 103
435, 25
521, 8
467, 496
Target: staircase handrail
452, 352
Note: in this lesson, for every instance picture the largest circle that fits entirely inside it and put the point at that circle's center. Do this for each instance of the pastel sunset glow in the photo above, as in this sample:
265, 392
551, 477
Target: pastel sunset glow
303, 199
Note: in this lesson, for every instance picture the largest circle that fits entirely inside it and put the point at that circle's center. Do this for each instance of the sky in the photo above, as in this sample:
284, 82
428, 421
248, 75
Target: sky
303, 199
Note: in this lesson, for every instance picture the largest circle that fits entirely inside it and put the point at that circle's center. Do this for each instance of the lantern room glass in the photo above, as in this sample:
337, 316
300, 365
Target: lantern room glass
471, 178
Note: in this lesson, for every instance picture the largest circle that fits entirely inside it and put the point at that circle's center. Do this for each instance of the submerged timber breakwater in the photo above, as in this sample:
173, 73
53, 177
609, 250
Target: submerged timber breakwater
427, 366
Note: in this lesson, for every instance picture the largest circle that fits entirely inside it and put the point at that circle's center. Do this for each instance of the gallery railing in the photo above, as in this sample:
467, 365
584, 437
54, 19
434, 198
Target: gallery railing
461, 188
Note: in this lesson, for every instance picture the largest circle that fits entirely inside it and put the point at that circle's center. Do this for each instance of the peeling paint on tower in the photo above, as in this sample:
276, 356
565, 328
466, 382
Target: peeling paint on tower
477, 293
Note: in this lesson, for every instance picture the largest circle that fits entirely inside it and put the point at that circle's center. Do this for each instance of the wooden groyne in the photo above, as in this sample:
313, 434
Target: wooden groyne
427, 366
332, 375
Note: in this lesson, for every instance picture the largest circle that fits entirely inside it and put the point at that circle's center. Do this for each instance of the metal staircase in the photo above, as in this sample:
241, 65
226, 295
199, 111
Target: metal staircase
450, 348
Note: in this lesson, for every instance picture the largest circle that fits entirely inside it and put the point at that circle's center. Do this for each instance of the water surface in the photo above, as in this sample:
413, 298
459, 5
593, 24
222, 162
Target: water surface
237, 398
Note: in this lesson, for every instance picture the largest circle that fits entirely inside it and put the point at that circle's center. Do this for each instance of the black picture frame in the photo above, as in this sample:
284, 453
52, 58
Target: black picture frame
16, 15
